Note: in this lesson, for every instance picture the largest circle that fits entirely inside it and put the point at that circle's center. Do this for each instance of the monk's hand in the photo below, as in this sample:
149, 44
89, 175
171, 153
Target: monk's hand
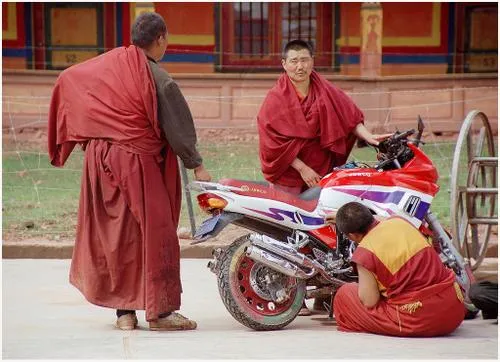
310, 177
330, 218
375, 139
201, 174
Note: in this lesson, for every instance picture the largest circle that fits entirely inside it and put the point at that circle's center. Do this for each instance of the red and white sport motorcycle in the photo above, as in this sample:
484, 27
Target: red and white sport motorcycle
291, 254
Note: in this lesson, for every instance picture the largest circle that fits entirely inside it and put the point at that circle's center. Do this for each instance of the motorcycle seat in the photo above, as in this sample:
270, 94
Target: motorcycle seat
310, 194
308, 200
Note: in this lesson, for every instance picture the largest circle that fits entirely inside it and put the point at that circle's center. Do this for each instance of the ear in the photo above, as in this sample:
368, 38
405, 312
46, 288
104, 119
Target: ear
357, 237
283, 62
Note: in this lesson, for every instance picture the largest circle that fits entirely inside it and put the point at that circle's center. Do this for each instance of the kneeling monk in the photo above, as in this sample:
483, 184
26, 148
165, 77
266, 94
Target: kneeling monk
404, 289
133, 122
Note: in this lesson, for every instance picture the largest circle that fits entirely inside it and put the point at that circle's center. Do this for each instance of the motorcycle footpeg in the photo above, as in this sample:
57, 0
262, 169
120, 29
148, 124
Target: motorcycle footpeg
217, 252
213, 265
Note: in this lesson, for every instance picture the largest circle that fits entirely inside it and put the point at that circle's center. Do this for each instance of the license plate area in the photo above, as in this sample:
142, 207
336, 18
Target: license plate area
207, 226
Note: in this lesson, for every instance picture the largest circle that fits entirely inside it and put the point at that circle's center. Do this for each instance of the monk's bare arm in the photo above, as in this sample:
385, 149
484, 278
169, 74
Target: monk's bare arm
368, 289
310, 177
298, 164
362, 132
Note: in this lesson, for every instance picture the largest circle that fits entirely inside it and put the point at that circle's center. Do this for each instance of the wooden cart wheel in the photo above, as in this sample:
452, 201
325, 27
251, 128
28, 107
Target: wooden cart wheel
473, 188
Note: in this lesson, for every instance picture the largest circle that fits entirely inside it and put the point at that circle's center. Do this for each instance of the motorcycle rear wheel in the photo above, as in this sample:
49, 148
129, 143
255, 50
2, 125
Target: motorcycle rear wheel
248, 306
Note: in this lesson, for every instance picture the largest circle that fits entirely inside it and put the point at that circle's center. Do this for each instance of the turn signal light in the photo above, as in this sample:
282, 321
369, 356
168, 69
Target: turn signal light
216, 203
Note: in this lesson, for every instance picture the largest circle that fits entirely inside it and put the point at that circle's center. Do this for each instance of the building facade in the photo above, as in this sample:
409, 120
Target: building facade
414, 38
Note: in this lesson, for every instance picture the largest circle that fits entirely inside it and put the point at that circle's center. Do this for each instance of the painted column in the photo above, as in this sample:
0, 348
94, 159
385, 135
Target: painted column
371, 39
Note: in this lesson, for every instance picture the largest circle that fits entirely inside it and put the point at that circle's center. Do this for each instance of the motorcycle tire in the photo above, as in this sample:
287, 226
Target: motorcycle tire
241, 300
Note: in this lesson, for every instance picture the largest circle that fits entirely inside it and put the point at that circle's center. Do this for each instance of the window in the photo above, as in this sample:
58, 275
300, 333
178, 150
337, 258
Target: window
252, 35
251, 29
298, 20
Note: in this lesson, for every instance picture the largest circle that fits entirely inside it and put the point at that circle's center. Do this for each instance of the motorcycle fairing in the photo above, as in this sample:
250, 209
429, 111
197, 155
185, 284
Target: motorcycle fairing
306, 201
384, 200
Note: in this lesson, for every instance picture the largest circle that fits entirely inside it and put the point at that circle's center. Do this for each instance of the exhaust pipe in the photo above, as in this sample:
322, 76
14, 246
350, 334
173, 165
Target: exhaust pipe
283, 250
277, 263
290, 255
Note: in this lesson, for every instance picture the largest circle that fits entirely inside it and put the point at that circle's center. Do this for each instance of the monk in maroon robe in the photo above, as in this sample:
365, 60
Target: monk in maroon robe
404, 289
132, 121
307, 126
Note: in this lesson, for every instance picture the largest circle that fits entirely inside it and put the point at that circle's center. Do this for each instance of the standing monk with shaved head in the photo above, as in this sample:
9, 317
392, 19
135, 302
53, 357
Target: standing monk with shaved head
307, 126
132, 121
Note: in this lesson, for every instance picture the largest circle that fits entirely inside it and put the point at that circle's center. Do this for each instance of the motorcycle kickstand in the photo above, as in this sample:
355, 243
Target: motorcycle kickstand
329, 308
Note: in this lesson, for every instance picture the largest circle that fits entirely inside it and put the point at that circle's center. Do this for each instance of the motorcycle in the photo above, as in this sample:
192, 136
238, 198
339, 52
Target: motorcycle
292, 254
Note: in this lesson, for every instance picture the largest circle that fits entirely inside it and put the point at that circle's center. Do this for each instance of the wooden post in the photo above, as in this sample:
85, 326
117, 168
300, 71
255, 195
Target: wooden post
371, 39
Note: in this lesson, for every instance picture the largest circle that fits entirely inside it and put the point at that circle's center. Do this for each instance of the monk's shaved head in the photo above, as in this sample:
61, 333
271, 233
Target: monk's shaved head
354, 217
296, 45
147, 28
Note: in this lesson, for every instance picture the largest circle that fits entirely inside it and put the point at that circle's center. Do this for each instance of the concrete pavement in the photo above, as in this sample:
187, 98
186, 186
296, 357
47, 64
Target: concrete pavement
45, 317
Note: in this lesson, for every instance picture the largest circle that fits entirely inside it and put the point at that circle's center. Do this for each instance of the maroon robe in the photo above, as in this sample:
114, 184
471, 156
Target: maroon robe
127, 253
317, 130
419, 295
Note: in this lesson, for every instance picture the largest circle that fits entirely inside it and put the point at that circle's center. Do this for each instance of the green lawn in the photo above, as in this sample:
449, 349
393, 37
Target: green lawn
40, 201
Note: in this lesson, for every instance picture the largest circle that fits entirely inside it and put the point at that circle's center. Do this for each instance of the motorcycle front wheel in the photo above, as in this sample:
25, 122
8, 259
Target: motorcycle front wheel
245, 289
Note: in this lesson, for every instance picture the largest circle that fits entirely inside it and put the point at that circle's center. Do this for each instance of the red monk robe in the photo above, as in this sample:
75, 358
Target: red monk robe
317, 130
420, 296
126, 253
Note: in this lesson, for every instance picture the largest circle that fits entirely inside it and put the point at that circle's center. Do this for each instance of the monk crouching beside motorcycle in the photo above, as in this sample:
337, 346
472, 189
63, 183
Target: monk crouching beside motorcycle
404, 289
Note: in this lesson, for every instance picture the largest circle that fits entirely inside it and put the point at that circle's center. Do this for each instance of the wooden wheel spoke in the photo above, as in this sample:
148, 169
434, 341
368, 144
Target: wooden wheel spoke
462, 222
474, 238
480, 142
469, 145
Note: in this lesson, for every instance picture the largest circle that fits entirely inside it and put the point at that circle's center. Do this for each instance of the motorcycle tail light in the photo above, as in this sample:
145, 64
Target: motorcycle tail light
209, 202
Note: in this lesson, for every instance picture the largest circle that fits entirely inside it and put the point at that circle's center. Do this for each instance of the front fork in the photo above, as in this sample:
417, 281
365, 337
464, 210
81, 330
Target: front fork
449, 254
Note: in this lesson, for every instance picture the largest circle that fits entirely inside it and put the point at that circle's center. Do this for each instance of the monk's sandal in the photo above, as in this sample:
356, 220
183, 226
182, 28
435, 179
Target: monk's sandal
174, 322
127, 322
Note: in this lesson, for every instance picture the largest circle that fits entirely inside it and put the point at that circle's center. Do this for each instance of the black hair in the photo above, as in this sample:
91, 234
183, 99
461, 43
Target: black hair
297, 44
147, 28
354, 217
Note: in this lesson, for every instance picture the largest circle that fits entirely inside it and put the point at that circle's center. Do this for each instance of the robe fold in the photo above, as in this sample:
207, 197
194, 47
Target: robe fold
419, 295
126, 253
317, 130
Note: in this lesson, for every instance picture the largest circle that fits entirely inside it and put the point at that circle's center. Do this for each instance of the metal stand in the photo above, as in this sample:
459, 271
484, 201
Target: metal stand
187, 194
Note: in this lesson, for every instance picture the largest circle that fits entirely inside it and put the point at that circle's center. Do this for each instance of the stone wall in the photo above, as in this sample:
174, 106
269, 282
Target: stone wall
229, 100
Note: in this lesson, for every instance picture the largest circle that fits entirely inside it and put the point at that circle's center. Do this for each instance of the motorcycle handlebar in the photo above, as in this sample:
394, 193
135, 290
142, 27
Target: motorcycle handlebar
383, 163
390, 148
404, 134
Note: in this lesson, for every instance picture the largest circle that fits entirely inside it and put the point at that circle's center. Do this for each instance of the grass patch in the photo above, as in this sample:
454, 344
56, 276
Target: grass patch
41, 201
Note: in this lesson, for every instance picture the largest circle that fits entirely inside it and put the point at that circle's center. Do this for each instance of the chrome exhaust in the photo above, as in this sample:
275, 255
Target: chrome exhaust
277, 263
289, 254
286, 251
